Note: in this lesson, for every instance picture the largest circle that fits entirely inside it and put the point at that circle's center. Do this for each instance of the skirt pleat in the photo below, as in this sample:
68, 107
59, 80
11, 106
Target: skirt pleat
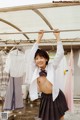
52, 110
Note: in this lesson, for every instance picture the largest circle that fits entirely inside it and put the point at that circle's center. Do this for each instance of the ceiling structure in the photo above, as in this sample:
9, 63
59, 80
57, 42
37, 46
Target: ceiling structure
22, 23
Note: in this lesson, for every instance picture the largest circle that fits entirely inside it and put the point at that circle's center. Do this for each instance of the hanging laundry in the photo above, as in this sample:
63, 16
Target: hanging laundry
15, 66
15, 63
79, 59
61, 73
4, 77
69, 83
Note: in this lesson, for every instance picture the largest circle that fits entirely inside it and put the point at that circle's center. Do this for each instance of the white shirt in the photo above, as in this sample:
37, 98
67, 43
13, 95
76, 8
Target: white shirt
15, 63
33, 72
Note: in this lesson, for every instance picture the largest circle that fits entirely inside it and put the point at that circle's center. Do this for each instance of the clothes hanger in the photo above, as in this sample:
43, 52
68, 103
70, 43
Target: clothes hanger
16, 47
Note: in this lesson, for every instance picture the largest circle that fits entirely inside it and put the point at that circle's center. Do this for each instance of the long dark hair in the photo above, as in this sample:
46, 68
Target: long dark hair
42, 53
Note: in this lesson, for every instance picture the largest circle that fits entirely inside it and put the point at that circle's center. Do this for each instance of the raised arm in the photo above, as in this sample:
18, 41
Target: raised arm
35, 46
57, 35
30, 58
60, 51
40, 35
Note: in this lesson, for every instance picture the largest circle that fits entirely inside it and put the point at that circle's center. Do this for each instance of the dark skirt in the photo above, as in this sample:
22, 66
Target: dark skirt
52, 110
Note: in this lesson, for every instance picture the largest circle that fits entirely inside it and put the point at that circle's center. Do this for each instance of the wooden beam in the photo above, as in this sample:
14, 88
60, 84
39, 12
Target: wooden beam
31, 41
39, 6
44, 43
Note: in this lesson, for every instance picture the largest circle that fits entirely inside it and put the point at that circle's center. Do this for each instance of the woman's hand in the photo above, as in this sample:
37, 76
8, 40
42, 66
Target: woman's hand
57, 34
40, 35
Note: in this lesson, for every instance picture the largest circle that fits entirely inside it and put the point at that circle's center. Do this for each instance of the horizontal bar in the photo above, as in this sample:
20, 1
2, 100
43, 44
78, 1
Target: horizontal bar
72, 30
41, 44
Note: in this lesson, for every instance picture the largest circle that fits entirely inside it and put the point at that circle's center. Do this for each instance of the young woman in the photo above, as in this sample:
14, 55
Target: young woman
42, 79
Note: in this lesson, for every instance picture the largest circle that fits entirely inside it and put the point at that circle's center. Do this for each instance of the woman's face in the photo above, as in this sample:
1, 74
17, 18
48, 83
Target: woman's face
40, 61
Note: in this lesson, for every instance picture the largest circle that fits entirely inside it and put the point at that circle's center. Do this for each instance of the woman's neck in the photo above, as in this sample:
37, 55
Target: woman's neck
43, 68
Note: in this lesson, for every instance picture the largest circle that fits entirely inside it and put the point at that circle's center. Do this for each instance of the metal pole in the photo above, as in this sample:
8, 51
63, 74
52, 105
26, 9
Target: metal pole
45, 31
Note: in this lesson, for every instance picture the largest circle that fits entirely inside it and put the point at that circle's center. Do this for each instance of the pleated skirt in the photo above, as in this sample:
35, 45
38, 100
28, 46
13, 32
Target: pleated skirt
52, 110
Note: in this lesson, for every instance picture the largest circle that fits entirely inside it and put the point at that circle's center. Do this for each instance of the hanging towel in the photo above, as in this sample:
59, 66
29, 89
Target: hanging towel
69, 83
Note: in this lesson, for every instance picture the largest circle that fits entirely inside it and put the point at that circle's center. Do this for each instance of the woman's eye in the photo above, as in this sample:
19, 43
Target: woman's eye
36, 59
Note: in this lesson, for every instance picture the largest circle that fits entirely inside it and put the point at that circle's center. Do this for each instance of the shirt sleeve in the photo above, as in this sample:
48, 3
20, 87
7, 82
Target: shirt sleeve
33, 51
59, 55
30, 65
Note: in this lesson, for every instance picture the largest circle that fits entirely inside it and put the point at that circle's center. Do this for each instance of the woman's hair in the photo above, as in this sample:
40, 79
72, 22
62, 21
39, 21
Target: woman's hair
42, 53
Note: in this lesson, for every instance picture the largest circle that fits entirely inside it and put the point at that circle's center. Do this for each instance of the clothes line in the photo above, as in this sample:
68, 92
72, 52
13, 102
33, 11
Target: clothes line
45, 31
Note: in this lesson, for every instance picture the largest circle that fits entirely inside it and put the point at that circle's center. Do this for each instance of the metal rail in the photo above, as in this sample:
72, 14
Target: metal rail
45, 31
